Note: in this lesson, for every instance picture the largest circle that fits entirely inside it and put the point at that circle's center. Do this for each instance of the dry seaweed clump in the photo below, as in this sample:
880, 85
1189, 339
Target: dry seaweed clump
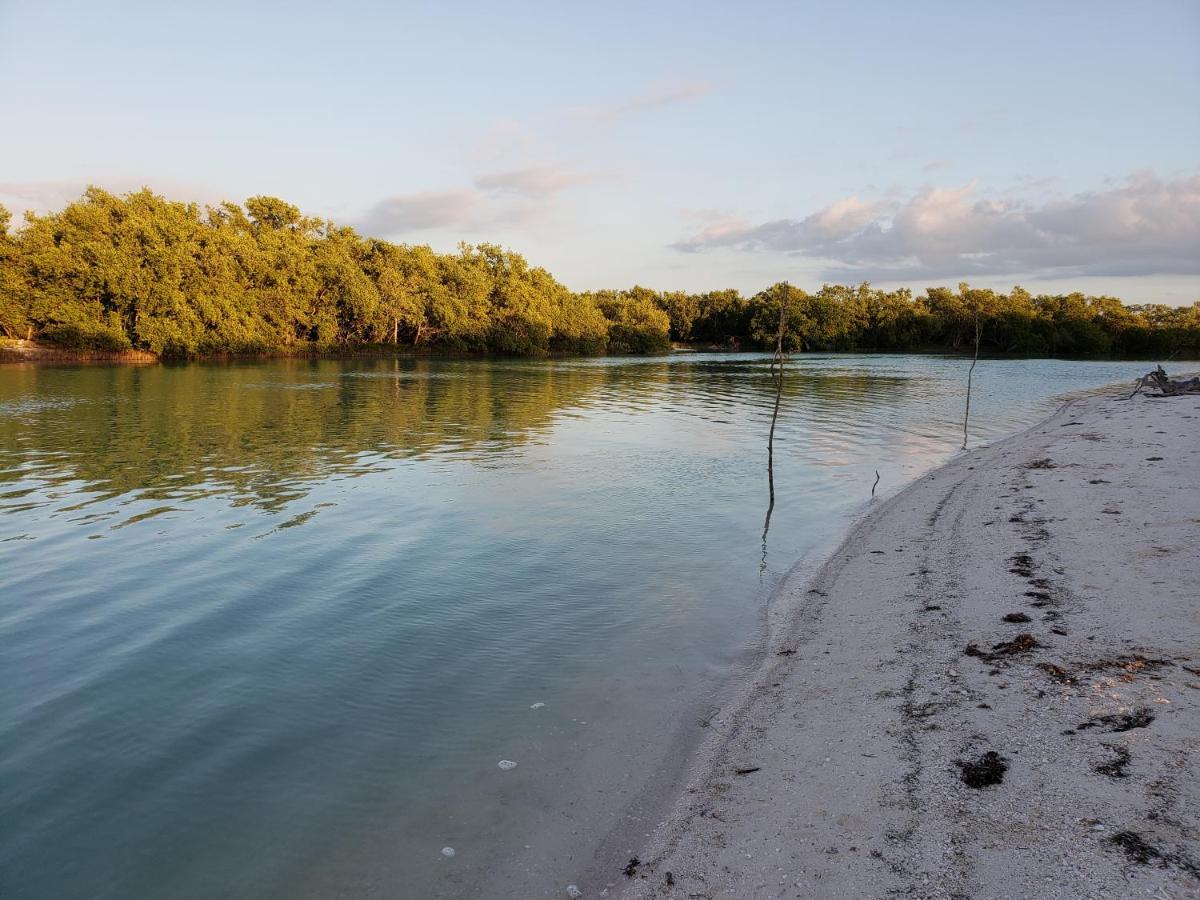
1115, 767
1130, 665
983, 772
1022, 643
1041, 464
1022, 564
1136, 847
1139, 850
1139, 718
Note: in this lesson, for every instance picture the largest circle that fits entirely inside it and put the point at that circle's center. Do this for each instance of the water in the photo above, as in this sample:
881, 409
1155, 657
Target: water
269, 628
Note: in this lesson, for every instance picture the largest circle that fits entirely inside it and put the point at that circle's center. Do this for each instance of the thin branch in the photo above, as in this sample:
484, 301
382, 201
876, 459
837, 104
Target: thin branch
970, 372
1141, 382
777, 377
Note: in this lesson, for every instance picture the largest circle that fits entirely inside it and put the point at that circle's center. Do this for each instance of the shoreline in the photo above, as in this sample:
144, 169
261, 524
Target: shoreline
15, 352
691, 736
22, 351
780, 721
692, 747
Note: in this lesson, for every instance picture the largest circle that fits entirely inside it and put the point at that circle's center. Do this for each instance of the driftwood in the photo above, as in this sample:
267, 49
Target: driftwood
1166, 386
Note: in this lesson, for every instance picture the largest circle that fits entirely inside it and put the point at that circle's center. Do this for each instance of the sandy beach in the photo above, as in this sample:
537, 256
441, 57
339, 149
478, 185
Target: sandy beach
991, 689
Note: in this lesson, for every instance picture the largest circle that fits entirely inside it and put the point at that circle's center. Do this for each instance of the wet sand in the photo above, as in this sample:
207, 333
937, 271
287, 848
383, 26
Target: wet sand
991, 689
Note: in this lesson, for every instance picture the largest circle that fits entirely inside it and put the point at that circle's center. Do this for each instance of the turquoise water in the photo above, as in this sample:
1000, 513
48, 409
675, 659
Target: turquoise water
269, 628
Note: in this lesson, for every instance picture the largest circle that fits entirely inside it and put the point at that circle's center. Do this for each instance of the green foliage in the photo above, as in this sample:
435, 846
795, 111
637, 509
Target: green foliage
140, 271
723, 320
273, 213
683, 309
13, 321
827, 320
637, 322
87, 337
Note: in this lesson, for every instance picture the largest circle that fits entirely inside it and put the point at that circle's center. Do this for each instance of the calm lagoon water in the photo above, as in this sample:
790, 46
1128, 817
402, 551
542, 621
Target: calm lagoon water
268, 628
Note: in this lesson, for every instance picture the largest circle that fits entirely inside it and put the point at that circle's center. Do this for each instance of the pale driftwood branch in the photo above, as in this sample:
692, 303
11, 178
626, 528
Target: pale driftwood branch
1170, 388
1167, 387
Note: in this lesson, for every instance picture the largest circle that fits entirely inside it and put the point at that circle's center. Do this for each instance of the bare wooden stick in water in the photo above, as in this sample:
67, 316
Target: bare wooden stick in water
777, 376
970, 372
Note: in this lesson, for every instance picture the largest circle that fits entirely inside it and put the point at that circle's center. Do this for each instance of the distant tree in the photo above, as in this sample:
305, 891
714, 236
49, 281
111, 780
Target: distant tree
271, 212
636, 322
682, 309
764, 324
724, 319
13, 318
404, 277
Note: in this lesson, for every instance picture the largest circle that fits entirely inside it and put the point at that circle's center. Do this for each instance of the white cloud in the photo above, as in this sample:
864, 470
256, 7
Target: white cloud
420, 211
835, 222
654, 98
515, 196
1145, 225
535, 181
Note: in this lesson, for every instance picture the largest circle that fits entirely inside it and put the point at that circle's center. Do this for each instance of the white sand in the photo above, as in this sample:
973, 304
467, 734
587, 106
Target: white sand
857, 734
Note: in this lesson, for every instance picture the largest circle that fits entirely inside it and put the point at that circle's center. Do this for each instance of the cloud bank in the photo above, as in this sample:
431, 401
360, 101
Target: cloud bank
1144, 226
512, 196
537, 181
419, 211
513, 191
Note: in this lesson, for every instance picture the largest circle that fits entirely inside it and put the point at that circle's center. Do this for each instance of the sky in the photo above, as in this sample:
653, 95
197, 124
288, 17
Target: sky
677, 145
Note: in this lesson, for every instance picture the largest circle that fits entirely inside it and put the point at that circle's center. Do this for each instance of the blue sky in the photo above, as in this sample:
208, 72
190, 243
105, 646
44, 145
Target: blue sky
677, 145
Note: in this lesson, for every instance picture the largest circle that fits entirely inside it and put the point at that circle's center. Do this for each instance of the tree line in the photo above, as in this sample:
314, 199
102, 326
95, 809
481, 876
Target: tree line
139, 271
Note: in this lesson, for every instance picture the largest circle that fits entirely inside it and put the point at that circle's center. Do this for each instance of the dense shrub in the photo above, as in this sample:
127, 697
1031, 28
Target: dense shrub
86, 337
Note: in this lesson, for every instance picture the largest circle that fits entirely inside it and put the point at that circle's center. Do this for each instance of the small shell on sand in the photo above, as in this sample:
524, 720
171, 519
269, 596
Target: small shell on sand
506, 764
447, 852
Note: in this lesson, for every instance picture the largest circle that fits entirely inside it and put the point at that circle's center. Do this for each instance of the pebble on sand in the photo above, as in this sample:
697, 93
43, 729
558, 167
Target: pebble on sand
506, 764
447, 852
